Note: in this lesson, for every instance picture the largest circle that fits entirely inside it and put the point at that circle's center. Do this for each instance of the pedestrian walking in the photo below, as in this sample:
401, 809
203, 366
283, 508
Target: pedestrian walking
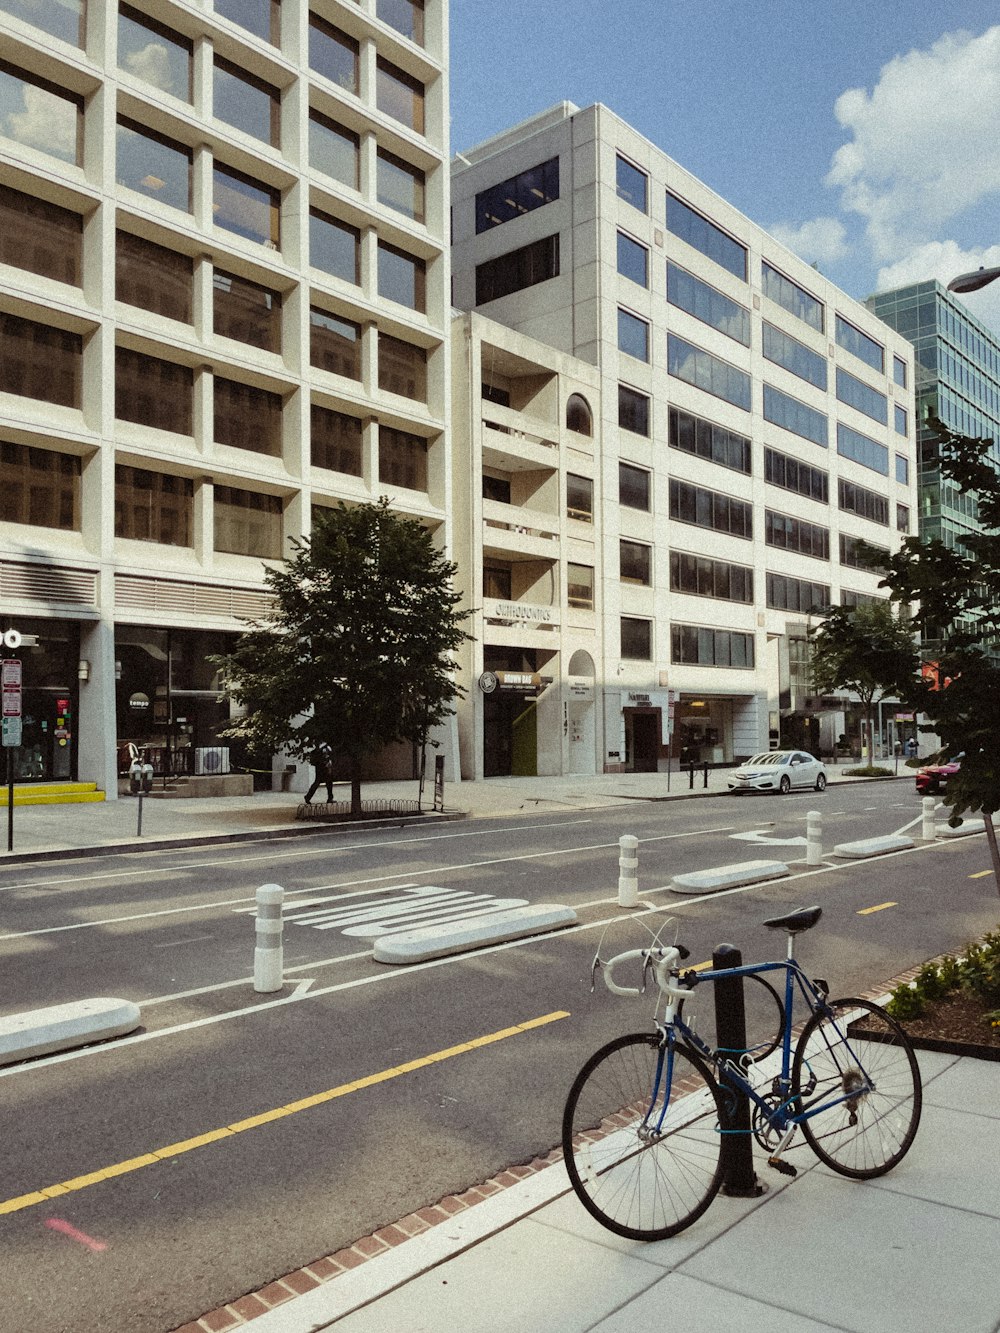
911, 748
323, 764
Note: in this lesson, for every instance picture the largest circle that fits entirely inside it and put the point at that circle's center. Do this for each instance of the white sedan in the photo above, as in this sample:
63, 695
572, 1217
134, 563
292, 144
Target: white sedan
778, 770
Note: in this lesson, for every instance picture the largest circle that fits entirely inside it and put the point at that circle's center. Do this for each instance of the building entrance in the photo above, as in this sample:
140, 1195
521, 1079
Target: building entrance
644, 733
49, 658
510, 735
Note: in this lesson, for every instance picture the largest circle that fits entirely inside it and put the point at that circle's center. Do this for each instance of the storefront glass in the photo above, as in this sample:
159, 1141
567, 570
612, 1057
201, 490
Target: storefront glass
49, 659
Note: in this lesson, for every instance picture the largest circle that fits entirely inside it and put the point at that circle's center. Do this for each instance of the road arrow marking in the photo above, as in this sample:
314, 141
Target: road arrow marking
761, 837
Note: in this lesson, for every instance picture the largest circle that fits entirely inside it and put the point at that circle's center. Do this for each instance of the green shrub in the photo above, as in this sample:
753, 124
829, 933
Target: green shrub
868, 771
981, 969
905, 1003
950, 972
930, 984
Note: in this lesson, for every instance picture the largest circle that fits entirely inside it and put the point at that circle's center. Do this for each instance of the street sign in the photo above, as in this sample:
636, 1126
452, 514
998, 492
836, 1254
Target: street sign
11, 731
10, 673
10, 680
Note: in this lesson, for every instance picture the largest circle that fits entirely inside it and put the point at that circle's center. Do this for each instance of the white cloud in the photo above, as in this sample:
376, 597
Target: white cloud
818, 241
47, 122
152, 65
945, 260
926, 141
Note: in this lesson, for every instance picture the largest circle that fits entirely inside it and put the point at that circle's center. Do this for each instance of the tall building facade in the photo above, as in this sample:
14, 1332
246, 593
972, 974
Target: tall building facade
757, 426
957, 371
224, 279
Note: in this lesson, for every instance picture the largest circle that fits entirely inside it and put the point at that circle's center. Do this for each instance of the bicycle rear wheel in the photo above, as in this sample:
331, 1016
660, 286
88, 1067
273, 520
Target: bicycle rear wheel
860, 1061
641, 1137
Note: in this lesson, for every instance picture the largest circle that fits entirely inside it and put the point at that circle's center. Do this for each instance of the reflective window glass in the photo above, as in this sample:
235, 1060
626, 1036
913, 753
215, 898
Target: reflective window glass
246, 417
247, 523
60, 18
518, 269
38, 361
399, 95
787, 351
633, 487
402, 368
40, 237
333, 150
862, 449
153, 507
635, 562
633, 335
899, 417
703, 235
902, 470
153, 392
153, 53
246, 311
899, 371
334, 246
156, 167
631, 183
334, 344
38, 115
402, 459
406, 16
261, 17
633, 260
249, 104
579, 497
791, 297
41, 488
860, 395
708, 372
860, 344
333, 54
335, 441
401, 277
153, 278
580, 586
787, 412
400, 186
633, 410
246, 206
517, 195
689, 293
636, 638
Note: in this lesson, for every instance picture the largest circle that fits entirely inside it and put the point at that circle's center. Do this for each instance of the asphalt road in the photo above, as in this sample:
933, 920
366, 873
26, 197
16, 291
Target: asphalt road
237, 1137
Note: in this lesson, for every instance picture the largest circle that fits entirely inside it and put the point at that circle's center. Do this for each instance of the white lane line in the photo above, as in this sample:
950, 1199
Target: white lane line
172, 944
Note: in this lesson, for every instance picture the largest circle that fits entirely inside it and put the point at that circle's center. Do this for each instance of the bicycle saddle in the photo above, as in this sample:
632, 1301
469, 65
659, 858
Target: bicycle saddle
802, 919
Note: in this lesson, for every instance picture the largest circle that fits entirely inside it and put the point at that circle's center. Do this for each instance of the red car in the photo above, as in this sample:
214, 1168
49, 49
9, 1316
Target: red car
934, 778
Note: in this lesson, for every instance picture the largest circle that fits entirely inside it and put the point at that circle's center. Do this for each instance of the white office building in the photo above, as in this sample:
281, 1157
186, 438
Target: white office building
756, 424
224, 303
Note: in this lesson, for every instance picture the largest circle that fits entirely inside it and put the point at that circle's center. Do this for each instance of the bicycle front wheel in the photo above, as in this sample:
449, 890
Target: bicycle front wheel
641, 1137
856, 1069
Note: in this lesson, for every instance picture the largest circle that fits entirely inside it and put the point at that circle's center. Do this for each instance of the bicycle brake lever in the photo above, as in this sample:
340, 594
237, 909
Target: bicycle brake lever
684, 953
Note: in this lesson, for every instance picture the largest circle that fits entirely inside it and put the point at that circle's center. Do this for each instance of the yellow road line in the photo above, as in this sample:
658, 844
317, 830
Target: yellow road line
266, 1117
980, 873
699, 967
867, 911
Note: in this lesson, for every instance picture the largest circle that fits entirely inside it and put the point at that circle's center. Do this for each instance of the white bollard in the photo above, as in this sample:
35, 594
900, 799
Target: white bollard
929, 830
628, 871
268, 956
814, 838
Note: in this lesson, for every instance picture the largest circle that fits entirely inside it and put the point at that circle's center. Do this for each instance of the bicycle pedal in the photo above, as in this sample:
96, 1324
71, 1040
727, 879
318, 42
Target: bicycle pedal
785, 1168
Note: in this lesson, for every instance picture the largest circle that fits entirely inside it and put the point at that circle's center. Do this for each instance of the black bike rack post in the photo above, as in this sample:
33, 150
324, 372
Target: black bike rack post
739, 1179
691, 778
706, 777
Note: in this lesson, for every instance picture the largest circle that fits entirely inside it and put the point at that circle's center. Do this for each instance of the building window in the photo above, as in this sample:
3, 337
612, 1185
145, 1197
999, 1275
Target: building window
246, 311
854, 499
37, 361
333, 54
153, 507
633, 410
153, 278
60, 18
694, 366
334, 344
791, 474
402, 368
333, 150
495, 393
517, 195
517, 270
247, 417
794, 534
710, 509
157, 55
402, 277
335, 441
791, 415
786, 351
637, 639
400, 186
497, 582
246, 206
633, 487
579, 417
40, 237
580, 586
633, 260
704, 439
787, 594
860, 345
902, 470
902, 518
41, 488
406, 16
496, 489
697, 645
856, 553
791, 297
334, 247
848, 597
247, 523
900, 419
633, 335
154, 166
246, 102
152, 392
261, 17
635, 562
579, 498
701, 576
399, 95
689, 293
40, 115
402, 459
862, 449
705, 236
899, 371
853, 392
632, 184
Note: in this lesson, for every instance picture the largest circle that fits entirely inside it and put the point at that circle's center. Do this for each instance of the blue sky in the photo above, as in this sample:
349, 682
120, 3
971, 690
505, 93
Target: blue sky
866, 136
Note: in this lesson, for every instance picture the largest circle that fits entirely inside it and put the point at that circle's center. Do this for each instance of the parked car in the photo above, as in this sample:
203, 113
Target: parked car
778, 770
933, 778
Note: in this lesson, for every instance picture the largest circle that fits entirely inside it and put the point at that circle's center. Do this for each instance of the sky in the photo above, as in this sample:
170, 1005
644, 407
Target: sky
865, 136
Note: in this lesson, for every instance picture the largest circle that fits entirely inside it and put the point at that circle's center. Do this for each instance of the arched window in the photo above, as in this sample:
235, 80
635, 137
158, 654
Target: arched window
578, 415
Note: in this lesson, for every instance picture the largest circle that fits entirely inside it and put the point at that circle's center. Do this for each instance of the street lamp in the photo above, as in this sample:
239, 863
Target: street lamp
971, 282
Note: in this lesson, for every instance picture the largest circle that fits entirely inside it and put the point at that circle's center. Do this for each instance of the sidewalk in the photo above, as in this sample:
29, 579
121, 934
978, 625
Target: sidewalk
915, 1251
65, 830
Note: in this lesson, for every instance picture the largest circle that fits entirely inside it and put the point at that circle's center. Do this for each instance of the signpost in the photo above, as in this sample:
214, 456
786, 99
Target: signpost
10, 687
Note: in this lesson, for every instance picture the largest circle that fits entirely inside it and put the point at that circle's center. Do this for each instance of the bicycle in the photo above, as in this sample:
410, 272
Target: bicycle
643, 1124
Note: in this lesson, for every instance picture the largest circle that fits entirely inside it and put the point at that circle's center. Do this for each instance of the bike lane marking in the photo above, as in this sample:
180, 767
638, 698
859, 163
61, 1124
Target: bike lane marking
171, 1150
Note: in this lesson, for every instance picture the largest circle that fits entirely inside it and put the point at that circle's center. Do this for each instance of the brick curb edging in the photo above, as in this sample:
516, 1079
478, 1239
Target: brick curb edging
237, 1313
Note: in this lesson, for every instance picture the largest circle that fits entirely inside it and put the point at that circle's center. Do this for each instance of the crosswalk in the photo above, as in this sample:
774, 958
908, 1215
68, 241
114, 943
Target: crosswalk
386, 912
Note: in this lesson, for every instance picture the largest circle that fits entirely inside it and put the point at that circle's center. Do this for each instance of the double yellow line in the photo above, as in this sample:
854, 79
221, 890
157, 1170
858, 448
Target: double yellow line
268, 1117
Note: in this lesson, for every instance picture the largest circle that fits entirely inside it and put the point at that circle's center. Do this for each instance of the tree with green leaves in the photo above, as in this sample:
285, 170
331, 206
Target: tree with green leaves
957, 592
356, 650
867, 649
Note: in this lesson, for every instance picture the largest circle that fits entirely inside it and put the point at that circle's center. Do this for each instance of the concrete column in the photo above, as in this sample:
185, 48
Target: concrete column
96, 731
